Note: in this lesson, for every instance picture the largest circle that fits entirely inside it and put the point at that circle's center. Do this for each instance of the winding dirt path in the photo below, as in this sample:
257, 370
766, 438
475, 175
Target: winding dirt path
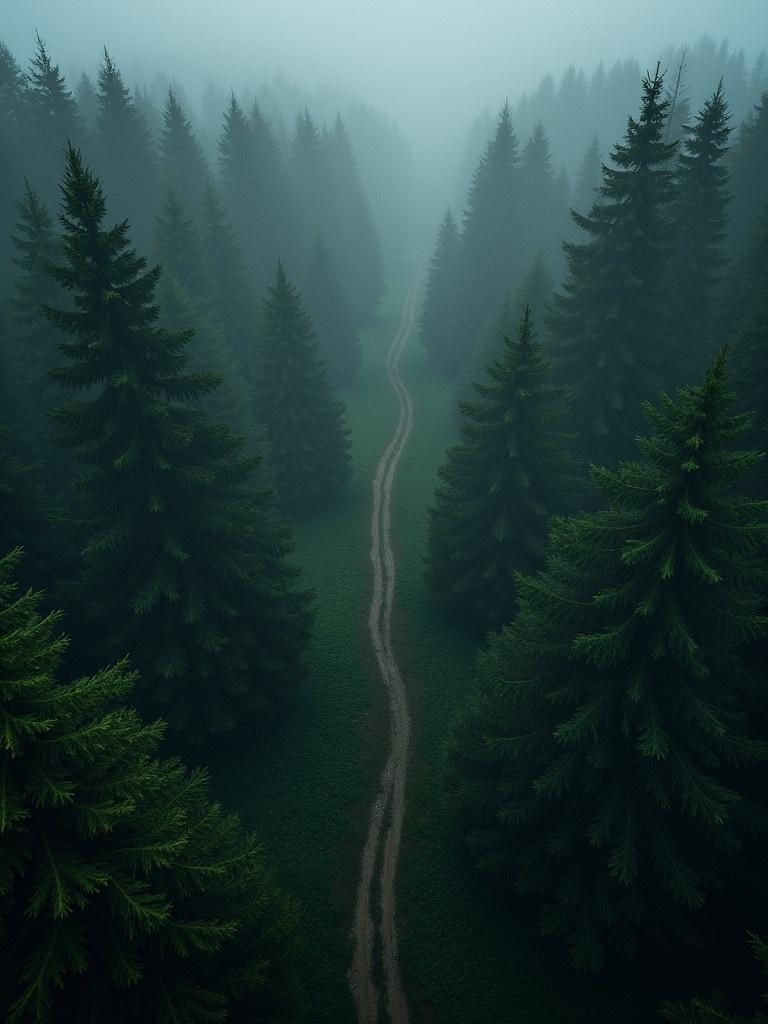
389, 805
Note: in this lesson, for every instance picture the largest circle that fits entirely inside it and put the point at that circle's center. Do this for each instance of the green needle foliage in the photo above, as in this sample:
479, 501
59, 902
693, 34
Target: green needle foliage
125, 895
185, 560
441, 293
609, 324
700, 220
295, 402
500, 485
597, 768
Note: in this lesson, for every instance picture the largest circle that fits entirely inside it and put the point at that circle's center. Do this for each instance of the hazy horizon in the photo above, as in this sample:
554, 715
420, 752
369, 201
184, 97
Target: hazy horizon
431, 69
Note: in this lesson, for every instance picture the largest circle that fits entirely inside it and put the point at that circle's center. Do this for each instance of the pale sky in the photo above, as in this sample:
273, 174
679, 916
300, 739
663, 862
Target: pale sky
424, 61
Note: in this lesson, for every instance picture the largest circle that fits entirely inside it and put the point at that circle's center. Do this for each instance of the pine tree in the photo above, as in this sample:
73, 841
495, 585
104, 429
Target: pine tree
87, 104
184, 557
543, 218
748, 160
609, 325
326, 304
699, 216
588, 177
499, 486
226, 289
440, 297
53, 121
294, 401
356, 246
176, 244
491, 262
597, 766
535, 293
125, 155
746, 277
232, 402
125, 895
13, 106
254, 190
183, 166
34, 351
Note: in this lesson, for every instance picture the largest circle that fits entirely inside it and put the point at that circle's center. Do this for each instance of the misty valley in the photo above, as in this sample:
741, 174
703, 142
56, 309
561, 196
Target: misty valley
383, 523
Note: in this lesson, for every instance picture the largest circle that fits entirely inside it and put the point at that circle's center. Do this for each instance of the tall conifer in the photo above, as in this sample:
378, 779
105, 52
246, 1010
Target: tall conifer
609, 324
183, 166
438, 331
699, 215
304, 421
327, 306
597, 768
184, 557
125, 895
500, 485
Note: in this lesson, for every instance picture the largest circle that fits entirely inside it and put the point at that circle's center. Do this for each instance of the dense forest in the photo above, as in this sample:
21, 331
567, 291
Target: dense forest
323, 542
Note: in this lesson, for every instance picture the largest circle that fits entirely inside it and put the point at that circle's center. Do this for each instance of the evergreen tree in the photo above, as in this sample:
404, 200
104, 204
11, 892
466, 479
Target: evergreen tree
183, 166
53, 121
35, 340
254, 189
543, 217
499, 486
184, 557
232, 402
699, 218
750, 356
125, 155
609, 326
491, 262
176, 244
746, 278
597, 766
87, 104
13, 104
225, 286
437, 319
125, 895
749, 158
588, 177
535, 293
326, 305
357, 250
294, 401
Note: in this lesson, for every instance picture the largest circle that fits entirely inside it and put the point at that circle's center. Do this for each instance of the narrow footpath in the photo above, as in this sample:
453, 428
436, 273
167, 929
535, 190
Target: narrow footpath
380, 857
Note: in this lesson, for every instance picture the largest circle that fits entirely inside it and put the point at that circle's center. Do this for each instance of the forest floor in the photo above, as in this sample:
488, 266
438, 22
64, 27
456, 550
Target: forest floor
307, 783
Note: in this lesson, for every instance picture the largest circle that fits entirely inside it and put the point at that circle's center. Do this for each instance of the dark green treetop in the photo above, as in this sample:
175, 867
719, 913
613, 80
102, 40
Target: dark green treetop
609, 324
183, 166
125, 154
304, 421
184, 557
124, 892
597, 767
699, 216
438, 331
500, 485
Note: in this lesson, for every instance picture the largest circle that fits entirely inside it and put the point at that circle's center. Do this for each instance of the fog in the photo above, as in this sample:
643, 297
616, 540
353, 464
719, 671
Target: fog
431, 64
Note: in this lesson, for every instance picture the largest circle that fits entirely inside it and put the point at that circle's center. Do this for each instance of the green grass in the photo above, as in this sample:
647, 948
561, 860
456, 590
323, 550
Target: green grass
306, 786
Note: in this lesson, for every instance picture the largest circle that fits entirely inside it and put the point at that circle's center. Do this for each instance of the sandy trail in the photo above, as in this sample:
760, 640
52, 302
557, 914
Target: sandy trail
389, 804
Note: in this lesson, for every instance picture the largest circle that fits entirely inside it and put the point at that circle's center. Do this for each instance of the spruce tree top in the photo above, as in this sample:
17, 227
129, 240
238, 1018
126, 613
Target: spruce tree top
597, 765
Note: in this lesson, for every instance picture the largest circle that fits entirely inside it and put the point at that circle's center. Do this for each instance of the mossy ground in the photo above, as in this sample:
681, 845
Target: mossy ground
306, 784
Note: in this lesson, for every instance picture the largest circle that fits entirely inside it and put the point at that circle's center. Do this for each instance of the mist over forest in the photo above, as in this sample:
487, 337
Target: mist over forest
384, 513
